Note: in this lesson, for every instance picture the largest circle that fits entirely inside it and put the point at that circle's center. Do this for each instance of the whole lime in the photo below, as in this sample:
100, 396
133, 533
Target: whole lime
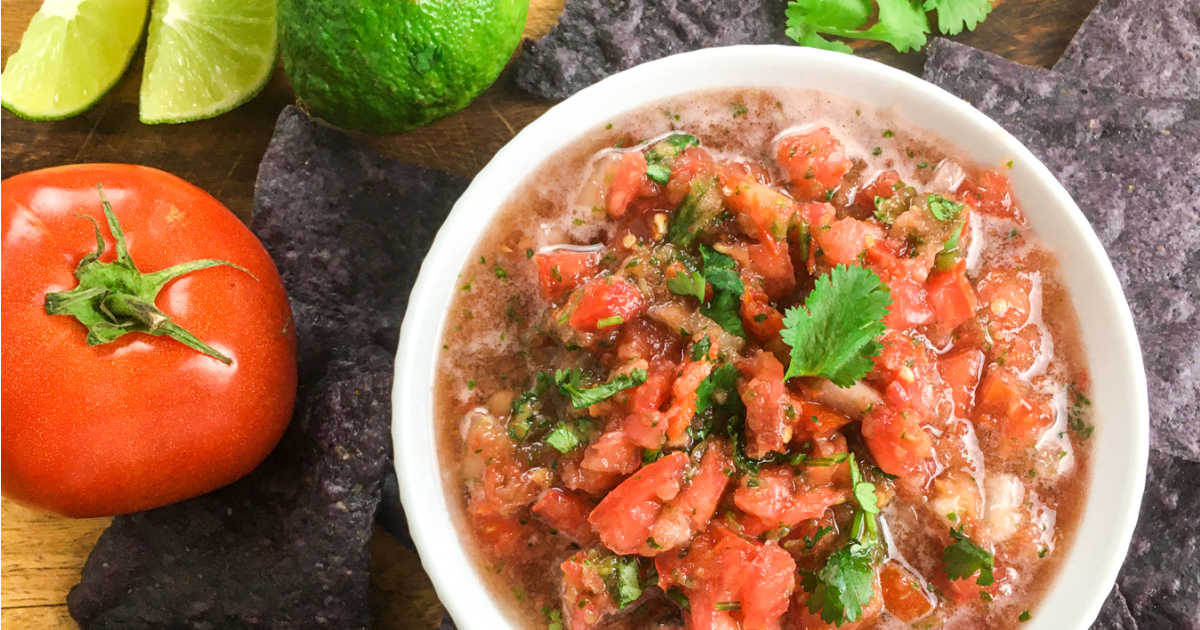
386, 66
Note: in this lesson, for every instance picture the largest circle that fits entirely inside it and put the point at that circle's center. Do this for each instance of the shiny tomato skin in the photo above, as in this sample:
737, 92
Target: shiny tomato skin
142, 421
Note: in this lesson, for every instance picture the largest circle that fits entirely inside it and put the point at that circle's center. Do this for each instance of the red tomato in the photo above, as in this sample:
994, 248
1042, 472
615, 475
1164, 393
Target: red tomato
143, 420
692, 163
762, 211
989, 192
960, 369
951, 296
903, 594
586, 598
777, 497
561, 270
624, 516
815, 163
628, 181
760, 319
611, 299
566, 512
896, 440
1022, 415
884, 185
846, 239
768, 427
729, 579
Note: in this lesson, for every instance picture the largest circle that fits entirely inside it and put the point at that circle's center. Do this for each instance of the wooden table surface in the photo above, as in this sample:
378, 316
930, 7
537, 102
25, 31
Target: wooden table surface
41, 555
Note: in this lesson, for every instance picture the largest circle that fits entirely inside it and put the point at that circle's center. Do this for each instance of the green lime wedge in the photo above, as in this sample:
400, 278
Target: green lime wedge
72, 53
205, 57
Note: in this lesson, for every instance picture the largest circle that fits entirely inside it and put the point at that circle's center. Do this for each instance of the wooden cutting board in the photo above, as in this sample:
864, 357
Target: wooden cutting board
41, 555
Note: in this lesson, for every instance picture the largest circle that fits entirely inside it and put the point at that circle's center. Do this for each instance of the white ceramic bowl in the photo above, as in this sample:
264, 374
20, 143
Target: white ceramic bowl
1114, 359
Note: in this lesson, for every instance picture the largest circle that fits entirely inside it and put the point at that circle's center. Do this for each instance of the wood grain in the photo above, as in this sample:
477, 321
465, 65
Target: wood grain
42, 555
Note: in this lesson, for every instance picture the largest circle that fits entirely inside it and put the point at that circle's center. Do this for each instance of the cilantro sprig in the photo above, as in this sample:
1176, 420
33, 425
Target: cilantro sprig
833, 334
569, 383
901, 23
841, 589
963, 558
721, 272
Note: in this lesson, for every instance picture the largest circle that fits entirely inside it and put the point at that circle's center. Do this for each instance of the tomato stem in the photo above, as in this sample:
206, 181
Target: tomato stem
114, 299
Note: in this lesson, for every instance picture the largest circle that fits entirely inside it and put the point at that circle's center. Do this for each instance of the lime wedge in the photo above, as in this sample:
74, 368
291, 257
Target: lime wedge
71, 54
205, 57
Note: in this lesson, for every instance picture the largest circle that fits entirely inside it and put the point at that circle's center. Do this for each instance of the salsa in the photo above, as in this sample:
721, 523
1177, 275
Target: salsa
763, 359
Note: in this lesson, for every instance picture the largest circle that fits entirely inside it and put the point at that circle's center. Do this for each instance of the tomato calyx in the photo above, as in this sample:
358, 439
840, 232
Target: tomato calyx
116, 298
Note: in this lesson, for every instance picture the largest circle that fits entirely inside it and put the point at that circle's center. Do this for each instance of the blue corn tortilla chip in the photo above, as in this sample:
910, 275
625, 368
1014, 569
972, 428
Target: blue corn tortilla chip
596, 38
1131, 163
1159, 582
1147, 49
1133, 166
286, 547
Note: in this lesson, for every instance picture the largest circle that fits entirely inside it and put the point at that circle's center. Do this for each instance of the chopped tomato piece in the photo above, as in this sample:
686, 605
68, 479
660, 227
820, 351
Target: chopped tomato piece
989, 191
845, 240
607, 302
693, 162
777, 497
566, 512
678, 415
503, 534
592, 482
623, 518
831, 447
760, 319
1005, 296
561, 270
960, 370
903, 594
951, 295
655, 510
694, 507
761, 211
1022, 416
884, 185
628, 181
729, 581
815, 163
896, 440
768, 425
818, 420
771, 260
612, 452
586, 600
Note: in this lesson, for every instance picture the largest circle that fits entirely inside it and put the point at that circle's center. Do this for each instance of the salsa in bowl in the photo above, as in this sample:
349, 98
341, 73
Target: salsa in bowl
760, 352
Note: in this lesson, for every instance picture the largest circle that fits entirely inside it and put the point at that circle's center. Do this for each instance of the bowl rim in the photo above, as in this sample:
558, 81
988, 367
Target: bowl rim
423, 493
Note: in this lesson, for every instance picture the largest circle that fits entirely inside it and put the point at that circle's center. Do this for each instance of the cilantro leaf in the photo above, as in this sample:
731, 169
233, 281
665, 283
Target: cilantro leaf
723, 378
864, 491
701, 348
568, 382
943, 209
724, 310
564, 438
721, 272
842, 588
901, 23
627, 583
954, 15
688, 283
946, 258
658, 172
833, 334
963, 558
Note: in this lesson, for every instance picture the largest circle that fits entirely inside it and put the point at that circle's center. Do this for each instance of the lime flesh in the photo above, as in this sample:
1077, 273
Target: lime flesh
72, 53
205, 57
